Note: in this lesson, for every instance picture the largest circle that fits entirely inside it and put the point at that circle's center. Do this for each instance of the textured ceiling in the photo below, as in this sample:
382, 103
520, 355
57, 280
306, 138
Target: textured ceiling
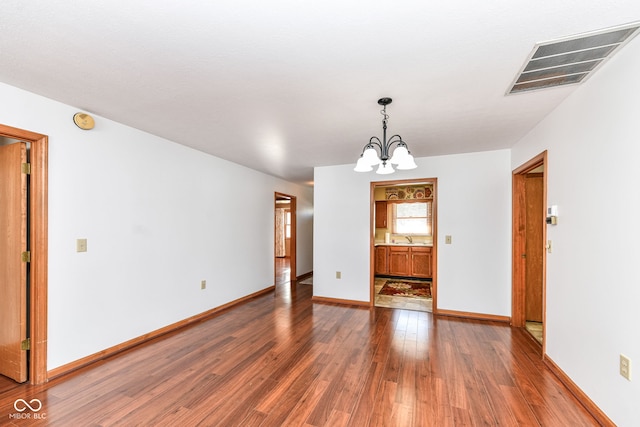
283, 86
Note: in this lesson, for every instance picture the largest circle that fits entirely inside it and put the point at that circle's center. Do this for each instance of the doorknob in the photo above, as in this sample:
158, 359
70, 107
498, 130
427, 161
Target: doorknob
523, 255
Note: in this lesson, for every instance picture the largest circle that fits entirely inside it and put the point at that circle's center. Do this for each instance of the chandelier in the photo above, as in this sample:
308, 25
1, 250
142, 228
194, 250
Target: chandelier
370, 157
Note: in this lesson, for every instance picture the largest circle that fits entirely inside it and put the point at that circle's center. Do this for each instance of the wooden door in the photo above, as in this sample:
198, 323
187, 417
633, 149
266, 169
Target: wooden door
13, 274
421, 262
381, 214
382, 260
534, 246
399, 261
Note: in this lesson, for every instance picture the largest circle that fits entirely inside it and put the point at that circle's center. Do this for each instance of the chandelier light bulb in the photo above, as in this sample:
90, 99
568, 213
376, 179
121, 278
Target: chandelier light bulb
384, 169
399, 154
371, 156
362, 165
407, 163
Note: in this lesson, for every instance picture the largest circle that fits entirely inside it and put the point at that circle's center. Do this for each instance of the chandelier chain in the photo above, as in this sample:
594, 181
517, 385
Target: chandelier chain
384, 114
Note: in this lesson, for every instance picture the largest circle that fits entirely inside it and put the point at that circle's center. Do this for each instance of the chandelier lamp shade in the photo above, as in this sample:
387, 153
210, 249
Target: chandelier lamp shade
378, 152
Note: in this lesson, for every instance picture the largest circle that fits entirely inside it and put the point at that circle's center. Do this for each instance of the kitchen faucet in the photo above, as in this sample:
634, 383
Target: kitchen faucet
409, 238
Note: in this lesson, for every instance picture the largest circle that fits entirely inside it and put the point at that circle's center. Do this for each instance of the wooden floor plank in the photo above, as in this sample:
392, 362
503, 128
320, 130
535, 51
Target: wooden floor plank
282, 360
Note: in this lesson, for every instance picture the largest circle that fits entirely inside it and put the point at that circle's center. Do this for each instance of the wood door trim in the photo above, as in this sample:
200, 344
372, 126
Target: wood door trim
518, 243
293, 242
434, 235
39, 243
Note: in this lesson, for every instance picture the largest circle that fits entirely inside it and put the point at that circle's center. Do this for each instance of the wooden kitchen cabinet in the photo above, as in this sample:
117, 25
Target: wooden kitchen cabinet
421, 262
406, 261
382, 260
381, 214
399, 264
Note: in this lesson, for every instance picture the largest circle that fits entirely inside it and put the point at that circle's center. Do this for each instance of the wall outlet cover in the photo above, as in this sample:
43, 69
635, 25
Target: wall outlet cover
625, 367
81, 245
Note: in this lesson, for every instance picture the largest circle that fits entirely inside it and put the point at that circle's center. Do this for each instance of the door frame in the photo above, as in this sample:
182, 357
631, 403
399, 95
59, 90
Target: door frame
434, 232
294, 238
38, 245
519, 240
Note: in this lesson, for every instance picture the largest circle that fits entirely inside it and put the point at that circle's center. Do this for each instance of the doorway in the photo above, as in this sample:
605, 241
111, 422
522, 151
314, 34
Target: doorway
529, 237
285, 242
403, 247
36, 252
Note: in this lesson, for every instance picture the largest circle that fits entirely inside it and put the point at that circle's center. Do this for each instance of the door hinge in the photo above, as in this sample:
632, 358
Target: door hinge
26, 168
26, 256
26, 344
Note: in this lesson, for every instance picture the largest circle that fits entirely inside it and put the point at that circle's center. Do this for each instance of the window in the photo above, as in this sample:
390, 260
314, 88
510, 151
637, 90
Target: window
412, 218
287, 225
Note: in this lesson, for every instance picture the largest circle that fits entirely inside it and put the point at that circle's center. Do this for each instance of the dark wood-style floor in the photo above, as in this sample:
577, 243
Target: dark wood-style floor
281, 360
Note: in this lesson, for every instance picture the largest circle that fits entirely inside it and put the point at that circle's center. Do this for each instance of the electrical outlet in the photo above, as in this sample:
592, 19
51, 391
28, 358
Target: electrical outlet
625, 367
338, 275
81, 245
203, 284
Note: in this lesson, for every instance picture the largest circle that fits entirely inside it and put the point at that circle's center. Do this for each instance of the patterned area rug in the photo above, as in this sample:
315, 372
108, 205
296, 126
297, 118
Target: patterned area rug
403, 288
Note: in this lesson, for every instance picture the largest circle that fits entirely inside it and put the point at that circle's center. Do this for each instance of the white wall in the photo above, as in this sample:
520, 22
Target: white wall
159, 218
474, 207
593, 289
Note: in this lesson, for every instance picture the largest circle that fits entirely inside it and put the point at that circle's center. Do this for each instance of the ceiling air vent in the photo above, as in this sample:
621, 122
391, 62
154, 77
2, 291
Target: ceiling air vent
570, 60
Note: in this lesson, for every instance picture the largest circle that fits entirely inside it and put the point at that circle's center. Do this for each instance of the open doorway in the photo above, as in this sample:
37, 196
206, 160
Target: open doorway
33, 314
529, 237
404, 244
285, 240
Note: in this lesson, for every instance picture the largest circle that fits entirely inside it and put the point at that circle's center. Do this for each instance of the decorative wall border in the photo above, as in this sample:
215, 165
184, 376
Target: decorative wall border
409, 192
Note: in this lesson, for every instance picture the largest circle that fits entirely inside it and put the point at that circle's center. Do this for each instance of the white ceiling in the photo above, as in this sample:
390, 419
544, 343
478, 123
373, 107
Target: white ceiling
283, 86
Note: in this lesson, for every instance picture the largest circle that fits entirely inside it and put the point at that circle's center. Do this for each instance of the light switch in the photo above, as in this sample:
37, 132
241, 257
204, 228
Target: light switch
447, 240
81, 245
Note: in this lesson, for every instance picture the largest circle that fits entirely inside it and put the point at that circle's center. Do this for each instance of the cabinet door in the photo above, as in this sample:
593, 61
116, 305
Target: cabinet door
381, 214
382, 260
421, 262
399, 264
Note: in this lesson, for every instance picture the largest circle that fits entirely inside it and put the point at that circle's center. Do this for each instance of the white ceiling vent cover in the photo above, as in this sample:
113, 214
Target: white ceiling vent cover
570, 60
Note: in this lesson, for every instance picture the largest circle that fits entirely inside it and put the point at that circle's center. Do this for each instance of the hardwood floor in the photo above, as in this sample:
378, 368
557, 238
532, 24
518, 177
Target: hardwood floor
7, 384
283, 270
281, 360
